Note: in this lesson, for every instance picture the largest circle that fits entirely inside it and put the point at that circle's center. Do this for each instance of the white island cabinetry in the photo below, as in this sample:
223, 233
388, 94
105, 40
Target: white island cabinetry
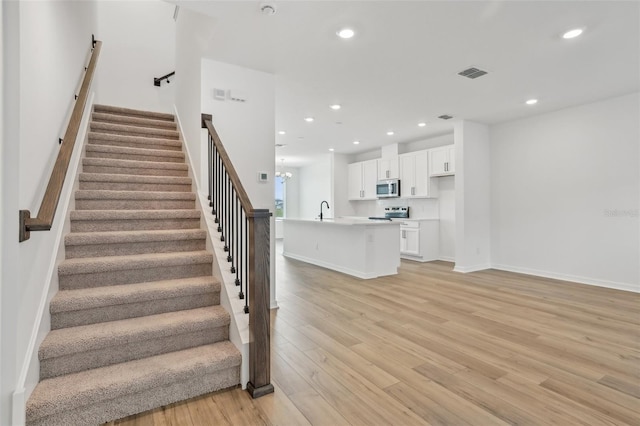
362, 248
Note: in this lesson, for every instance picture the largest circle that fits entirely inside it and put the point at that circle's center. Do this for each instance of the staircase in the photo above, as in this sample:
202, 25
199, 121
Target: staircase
137, 322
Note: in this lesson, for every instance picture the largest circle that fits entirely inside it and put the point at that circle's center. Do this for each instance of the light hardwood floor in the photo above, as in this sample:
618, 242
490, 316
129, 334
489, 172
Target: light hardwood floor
430, 346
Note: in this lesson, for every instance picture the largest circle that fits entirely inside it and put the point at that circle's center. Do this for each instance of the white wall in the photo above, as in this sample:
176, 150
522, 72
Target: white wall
447, 215
138, 44
193, 32
340, 200
247, 129
472, 196
315, 184
565, 194
9, 206
45, 48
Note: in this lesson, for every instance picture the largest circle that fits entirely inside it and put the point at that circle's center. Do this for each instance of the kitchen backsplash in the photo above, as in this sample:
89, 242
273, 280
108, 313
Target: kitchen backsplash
418, 207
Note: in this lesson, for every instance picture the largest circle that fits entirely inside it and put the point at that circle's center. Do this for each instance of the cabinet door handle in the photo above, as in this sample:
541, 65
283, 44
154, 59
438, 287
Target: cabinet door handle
404, 234
387, 173
446, 166
413, 190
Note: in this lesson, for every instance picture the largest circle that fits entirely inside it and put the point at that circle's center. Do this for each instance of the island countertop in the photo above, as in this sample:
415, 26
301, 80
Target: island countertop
345, 221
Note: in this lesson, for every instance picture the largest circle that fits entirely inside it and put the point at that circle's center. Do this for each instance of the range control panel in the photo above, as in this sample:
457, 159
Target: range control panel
396, 212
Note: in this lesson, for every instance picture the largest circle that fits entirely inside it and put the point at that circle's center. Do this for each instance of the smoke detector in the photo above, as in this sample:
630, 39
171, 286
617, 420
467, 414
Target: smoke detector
268, 9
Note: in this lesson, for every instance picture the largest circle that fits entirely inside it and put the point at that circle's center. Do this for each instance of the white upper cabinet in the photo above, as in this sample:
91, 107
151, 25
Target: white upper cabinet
442, 162
414, 176
388, 168
361, 180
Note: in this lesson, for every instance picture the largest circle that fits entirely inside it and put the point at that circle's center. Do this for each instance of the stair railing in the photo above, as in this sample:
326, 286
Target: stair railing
157, 81
49, 205
246, 236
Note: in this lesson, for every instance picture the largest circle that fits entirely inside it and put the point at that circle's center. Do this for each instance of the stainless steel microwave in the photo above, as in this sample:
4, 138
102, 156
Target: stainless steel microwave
388, 188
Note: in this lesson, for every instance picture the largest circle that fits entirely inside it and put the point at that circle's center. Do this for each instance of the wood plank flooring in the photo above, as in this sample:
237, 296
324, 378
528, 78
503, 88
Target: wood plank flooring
430, 346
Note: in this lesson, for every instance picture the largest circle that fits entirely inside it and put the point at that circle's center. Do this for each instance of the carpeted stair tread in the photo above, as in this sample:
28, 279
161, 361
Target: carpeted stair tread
132, 120
120, 129
116, 237
92, 265
132, 112
104, 335
134, 220
158, 155
122, 178
100, 199
134, 167
134, 141
89, 194
98, 297
77, 215
66, 393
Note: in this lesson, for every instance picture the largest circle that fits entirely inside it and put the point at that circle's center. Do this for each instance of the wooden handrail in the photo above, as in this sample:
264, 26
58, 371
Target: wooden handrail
49, 205
233, 175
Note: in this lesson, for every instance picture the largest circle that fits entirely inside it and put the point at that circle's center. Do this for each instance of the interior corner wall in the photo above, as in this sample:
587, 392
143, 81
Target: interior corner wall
10, 292
138, 44
340, 204
193, 32
247, 129
315, 180
565, 194
472, 196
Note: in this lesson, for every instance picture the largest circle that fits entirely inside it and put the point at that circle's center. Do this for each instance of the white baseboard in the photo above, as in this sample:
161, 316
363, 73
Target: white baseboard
447, 259
572, 278
474, 268
333, 267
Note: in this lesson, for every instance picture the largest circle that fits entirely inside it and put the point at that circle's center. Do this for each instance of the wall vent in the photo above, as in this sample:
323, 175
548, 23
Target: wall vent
472, 73
446, 117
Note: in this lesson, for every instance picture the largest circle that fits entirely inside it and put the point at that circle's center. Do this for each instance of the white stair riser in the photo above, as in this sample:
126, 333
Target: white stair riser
127, 112
114, 129
138, 348
132, 310
141, 143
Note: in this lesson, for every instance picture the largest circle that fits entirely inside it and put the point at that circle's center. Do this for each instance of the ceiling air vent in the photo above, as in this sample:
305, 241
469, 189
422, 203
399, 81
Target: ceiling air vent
472, 73
446, 117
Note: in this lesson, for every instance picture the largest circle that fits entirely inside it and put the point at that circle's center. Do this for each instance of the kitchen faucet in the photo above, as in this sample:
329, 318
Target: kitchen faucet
324, 202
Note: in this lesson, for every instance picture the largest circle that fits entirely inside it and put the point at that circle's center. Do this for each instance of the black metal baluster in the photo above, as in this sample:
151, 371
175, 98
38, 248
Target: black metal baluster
214, 164
246, 278
217, 190
232, 236
240, 252
210, 163
236, 239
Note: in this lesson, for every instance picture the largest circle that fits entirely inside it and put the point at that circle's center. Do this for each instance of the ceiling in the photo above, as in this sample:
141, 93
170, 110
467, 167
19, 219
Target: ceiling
401, 66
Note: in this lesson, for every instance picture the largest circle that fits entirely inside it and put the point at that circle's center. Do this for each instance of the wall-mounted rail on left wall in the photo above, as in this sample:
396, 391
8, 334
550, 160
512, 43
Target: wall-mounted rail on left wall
157, 81
49, 205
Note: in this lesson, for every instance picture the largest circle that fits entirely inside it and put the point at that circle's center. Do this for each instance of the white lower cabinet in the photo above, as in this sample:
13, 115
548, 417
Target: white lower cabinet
419, 239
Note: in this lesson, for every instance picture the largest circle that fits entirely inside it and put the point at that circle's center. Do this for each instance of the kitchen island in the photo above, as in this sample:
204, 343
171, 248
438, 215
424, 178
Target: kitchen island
359, 247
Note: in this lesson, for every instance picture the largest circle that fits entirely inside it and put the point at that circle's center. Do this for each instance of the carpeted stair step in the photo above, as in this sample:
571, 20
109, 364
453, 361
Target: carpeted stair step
120, 182
123, 243
128, 112
108, 393
71, 308
128, 120
75, 349
92, 272
134, 141
133, 200
133, 220
120, 129
128, 167
134, 154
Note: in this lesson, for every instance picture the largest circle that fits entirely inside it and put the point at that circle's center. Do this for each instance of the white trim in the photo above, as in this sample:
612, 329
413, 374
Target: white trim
474, 268
635, 288
332, 266
239, 326
447, 259
18, 409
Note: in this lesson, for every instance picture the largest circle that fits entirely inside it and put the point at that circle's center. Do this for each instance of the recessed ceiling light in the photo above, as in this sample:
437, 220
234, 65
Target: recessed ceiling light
532, 102
282, 132
335, 107
422, 124
331, 149
390, 133
346, 33
572, 33
308, 119
356, 142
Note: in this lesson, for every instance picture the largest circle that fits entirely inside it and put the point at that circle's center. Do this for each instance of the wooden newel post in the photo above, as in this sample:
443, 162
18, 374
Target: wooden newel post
259, 304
